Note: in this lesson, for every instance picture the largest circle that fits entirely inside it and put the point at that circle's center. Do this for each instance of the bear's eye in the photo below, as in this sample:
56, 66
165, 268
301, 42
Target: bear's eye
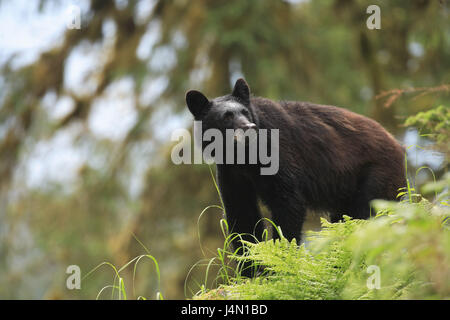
245, 112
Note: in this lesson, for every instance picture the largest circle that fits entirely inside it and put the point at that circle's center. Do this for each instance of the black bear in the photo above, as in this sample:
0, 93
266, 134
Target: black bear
330, 159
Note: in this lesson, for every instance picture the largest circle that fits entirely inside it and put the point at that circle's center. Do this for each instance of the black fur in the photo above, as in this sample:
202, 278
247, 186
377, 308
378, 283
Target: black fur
331, 160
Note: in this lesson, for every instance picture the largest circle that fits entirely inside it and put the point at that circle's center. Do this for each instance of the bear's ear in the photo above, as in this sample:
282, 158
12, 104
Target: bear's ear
241, 90
196, 102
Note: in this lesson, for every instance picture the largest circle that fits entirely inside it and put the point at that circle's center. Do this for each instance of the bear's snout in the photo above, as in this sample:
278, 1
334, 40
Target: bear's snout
250, 126
244, 124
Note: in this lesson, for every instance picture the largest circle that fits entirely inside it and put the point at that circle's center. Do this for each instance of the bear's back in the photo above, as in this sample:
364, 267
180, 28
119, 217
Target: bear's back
327, 140
315, 123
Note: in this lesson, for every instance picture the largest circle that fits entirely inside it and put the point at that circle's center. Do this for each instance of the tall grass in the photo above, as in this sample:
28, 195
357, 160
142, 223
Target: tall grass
118, 290
408, 242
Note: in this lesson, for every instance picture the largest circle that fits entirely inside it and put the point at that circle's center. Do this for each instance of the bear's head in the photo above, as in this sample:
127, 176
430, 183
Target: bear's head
233, 111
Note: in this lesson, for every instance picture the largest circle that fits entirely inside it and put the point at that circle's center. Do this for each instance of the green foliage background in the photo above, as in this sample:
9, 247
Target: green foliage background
318, 51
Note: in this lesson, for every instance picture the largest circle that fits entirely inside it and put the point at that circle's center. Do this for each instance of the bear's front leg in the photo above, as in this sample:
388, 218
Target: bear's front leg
241, 209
